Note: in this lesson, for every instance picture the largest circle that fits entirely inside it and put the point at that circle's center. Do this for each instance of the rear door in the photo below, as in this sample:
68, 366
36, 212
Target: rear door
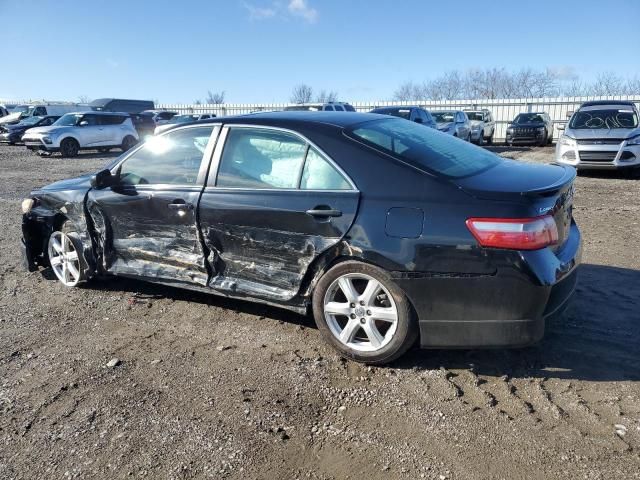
272, 205
146, 225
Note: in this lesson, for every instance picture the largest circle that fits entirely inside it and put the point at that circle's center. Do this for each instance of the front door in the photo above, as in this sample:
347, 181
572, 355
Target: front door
89, 131
146, 224
270, 208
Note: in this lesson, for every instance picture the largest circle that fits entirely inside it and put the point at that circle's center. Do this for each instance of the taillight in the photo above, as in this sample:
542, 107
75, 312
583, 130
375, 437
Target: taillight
514, 233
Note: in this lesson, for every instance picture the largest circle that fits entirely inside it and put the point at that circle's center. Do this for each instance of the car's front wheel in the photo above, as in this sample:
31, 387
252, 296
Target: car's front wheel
363, 313
128, 143
69, 147
65, 257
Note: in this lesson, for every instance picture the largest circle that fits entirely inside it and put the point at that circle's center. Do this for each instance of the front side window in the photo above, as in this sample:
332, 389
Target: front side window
319, 174
261, 158
423, 147
172, 159
90, 120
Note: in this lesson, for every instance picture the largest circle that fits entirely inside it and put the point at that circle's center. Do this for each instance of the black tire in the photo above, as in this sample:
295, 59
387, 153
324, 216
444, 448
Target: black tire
490, 140
406, 331
545, 139
128, 143
481, 139
69, 147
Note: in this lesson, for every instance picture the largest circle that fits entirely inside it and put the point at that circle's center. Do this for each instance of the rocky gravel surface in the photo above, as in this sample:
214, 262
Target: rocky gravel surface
124, 379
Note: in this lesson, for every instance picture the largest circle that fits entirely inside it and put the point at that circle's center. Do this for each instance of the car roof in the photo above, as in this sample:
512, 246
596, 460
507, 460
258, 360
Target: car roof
292, 118
594, 103
396, 107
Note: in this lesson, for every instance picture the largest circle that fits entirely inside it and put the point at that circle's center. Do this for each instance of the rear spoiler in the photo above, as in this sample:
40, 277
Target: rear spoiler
568, 177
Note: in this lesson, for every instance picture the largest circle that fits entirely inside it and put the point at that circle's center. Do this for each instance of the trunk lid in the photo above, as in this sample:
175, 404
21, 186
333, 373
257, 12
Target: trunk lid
542, 189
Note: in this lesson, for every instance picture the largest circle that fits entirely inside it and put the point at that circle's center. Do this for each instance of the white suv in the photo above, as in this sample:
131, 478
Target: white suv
84, 130
483, 126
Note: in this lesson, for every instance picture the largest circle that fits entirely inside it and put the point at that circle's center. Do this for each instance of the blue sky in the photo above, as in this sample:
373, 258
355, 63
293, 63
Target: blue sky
257, 50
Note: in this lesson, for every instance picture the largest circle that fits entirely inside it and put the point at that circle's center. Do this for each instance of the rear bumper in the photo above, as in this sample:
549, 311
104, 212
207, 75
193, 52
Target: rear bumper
7, 137
506, 309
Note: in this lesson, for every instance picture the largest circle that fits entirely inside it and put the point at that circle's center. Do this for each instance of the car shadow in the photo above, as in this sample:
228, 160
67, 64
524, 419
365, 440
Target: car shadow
611, 174
142, 291
506, 148
597, 339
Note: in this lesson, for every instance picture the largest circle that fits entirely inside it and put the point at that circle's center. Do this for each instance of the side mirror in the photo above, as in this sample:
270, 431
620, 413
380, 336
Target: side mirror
102, 179
83, 123
561, 126
418, 120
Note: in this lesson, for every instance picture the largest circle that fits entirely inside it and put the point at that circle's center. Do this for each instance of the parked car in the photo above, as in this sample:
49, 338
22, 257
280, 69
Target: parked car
463, 249
12, 134
483, 126
414, 114
160, 117
121, 105
530, 128
143, 124
453, 122
602, 135
83, 130
185, 118
54, 109
322, 107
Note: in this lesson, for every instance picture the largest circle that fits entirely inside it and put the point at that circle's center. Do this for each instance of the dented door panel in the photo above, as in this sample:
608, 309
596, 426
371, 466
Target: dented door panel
261, 242
142, 231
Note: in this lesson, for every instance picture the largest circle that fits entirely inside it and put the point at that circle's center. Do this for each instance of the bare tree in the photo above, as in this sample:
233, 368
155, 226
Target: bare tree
302, 94
577, 88
216, 98
83, 99
632, 86
197, 101
410, 91
325, 96
607, 83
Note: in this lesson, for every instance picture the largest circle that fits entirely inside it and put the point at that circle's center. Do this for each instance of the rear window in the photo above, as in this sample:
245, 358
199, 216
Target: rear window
424, 148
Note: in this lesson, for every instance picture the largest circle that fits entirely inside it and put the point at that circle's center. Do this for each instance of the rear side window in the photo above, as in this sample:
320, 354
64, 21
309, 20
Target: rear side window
261, 158
339, 108
424, 148
319, 174
328, 108
111, 119
349, 108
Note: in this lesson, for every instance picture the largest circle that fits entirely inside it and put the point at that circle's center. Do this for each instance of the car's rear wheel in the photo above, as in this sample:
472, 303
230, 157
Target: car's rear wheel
65, 257
481, 139
128, 143
69, 147
363, 314
490, 139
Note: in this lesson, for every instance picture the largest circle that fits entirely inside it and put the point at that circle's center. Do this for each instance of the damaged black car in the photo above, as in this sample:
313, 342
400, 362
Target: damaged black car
387, 231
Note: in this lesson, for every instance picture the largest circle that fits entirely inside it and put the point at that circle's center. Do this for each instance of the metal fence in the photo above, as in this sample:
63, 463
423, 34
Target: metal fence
504, 110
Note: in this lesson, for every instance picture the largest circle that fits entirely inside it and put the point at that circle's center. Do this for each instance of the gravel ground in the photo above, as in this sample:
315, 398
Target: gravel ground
206, 387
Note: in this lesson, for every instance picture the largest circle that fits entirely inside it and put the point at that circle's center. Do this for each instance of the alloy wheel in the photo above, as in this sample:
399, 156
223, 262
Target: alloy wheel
360, 312
64, 259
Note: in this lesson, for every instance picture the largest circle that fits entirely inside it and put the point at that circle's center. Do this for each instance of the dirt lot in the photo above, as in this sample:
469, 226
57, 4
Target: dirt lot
216, 388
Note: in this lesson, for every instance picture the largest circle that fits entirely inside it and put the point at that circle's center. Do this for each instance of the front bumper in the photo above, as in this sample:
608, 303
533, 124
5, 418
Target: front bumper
505, 309
525, 138
8, 137
600, 157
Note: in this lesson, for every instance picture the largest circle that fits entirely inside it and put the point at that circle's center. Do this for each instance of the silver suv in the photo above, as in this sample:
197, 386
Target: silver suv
602, 135
483, 126
453, 122
84, 130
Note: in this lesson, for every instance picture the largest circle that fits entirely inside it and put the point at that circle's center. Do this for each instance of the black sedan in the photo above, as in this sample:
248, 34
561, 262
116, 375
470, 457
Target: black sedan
12, 134
530, 128
387, 230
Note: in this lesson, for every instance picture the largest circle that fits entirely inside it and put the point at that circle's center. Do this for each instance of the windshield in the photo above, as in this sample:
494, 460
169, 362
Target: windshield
475, 116
424, 148
601, 119
31, 120
443, 117
528, 118
20, 108
68, 120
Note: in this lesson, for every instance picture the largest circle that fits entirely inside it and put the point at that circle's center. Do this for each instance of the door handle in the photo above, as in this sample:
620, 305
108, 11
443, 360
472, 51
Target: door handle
324, 212
180, 205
